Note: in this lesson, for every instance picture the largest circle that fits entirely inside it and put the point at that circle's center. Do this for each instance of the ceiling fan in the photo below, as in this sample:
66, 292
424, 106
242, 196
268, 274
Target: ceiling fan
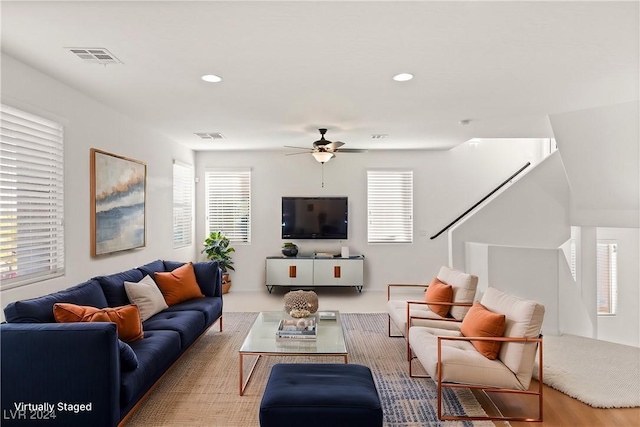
324, 150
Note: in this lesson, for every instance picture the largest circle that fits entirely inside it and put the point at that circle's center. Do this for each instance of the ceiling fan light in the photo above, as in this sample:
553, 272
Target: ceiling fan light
211, 78
403, 77
322, 156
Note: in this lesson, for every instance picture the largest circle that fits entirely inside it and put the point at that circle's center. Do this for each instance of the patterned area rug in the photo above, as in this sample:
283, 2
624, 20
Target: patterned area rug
599, 373
202, 389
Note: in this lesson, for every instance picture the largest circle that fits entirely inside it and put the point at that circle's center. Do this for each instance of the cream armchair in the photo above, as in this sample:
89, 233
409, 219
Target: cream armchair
453, 361
400, 309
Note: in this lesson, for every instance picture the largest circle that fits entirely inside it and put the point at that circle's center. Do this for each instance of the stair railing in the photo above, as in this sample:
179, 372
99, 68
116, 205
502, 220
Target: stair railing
505, 182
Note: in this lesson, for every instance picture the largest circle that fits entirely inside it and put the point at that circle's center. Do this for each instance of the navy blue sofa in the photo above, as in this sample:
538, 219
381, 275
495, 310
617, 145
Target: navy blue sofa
82, 371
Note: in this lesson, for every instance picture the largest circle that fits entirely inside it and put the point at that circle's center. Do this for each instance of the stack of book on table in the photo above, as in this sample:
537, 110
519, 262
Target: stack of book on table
305, 329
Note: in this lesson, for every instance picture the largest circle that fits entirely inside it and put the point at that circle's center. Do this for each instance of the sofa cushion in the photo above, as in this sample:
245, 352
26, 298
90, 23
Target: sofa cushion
128, 358
147, 296
189, 324
152, 267
178, 285
155, 353
208, 276
464, 288
438, 292
462, 363
480, 322
113, 286
126, 318
40, 310
210, 307
524, 319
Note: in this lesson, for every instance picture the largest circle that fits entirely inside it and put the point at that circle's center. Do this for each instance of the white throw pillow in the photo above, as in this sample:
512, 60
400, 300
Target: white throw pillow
147, 296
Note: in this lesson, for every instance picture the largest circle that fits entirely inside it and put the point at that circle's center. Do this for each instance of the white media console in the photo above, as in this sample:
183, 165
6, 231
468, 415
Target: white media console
314, 272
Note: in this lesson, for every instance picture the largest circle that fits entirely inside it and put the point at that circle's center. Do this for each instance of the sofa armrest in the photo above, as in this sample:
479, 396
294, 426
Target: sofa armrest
444, 319
500, 339
405, 286
209, 277
71, 368
457, 304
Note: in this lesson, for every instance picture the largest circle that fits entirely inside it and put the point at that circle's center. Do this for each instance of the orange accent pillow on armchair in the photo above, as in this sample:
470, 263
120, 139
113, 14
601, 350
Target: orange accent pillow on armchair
480, 322
439, 292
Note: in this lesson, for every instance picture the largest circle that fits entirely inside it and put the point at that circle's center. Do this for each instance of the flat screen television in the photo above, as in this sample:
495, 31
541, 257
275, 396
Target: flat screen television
314, 217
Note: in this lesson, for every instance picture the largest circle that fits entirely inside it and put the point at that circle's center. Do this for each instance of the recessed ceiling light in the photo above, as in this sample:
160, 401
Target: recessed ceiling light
403, 77
211, 78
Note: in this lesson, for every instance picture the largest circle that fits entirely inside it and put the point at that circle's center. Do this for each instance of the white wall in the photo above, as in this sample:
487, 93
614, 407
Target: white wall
601, 155
533, 212
527, 273
446, 183
574, 317
89, 124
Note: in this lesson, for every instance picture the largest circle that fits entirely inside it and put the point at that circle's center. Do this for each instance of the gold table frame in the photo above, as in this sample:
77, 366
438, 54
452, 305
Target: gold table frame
261, 341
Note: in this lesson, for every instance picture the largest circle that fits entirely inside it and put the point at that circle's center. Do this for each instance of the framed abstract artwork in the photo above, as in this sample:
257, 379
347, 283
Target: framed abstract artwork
118, 202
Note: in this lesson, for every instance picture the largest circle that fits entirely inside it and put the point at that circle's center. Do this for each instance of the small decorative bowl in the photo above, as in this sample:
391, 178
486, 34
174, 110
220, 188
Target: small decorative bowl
290, 251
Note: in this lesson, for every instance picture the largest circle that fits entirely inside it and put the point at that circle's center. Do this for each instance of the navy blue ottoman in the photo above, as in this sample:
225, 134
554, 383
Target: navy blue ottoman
320, 395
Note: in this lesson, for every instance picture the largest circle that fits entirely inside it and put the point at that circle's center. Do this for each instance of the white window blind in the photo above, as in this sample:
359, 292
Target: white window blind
228, 203
31, 201
390, 206
607, 278
572, 259
182, 204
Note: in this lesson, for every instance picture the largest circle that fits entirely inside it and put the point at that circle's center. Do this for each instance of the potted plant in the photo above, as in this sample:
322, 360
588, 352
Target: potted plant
217, 248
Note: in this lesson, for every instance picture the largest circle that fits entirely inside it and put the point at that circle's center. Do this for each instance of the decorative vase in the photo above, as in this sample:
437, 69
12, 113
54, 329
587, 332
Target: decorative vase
226, 283
289, 250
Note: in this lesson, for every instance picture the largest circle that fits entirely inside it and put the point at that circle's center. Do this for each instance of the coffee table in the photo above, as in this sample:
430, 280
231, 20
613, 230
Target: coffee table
261, 341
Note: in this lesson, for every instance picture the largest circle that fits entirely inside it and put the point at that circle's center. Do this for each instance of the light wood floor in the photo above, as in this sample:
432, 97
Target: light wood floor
559, 409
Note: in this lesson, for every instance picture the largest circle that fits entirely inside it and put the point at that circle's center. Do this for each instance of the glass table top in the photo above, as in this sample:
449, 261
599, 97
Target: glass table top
262, 337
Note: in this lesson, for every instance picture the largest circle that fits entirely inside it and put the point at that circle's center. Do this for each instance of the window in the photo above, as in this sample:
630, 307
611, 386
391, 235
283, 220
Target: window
572, 259
607, 277
390, 206
31, 201
182, 204
228, 203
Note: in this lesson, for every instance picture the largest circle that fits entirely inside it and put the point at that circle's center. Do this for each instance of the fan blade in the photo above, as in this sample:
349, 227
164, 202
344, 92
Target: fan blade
301, 152
332, 146
299, 148
351, 150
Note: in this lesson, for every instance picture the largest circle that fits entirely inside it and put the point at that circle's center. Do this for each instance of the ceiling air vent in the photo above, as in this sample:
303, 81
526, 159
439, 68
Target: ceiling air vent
210, 135
94, 55
379, 135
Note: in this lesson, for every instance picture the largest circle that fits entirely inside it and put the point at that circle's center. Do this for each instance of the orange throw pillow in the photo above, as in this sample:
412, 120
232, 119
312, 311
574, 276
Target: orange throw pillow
439, 292
480, 322
178, 285
126, 318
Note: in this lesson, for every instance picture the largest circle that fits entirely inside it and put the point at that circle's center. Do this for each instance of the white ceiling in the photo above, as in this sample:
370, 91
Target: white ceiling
294, 66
